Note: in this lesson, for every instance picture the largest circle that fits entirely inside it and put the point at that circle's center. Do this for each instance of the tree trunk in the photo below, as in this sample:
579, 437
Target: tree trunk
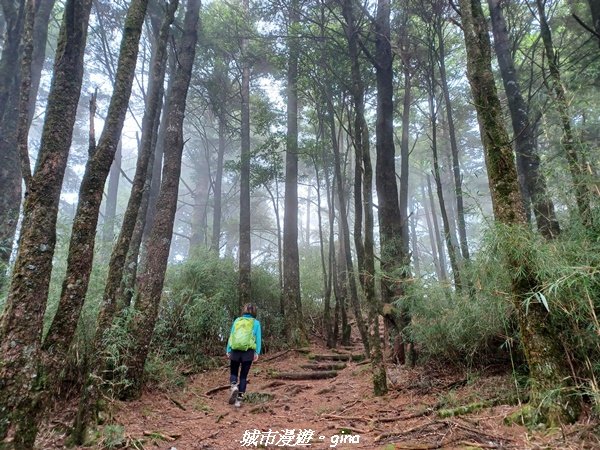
24, 93
330, 324
393, 260
345, 238
22, 320
159, 151
40, 37
200, 210
326, 270
363, 195
160, 237
457, 177
113, 298
112, 191
10, 165
416, 257
404, 156
595, 11
245, 248
532, 181
295, 329
83, 234
341, 295
576, 165
9, 61
551, 386
452, 251
217, 188
436, 230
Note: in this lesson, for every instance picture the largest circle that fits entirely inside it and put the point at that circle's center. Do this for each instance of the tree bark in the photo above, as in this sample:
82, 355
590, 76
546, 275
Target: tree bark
345, 238
551, 385
457, 177
10, 164
112, 191
83, 233
452, 251
152, 279
393, 260
245, 247
295, 329
416, 257
40, 37
437, 237
531, 179
113, 297
363, 198
22, 321
574, 159
595, 11
217, 188
404, 157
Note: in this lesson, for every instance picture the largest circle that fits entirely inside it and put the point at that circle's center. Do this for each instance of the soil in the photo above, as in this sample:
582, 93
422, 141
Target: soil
339, 412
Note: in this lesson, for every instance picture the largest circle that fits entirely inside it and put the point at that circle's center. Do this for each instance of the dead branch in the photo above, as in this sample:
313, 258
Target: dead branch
161, 436
271, 358
356, 418
176, 403
217, 389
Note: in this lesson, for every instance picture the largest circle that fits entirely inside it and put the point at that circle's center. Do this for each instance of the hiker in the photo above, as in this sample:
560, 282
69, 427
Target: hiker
243, 347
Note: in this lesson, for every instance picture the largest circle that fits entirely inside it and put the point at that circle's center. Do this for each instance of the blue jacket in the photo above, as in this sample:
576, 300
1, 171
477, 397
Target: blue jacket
256, 331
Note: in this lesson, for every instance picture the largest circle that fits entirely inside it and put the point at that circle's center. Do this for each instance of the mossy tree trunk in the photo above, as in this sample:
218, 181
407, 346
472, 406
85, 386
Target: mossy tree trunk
394, 261
531, 179
22, 321
551, 392
575, 160
153, 275
595, 11
10, 166
113, 297
83, 233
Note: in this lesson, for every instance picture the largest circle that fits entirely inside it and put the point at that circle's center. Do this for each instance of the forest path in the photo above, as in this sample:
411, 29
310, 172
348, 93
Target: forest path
287, 413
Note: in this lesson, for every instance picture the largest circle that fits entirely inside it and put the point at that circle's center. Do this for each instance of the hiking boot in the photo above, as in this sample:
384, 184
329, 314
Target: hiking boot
239, 399
234, 393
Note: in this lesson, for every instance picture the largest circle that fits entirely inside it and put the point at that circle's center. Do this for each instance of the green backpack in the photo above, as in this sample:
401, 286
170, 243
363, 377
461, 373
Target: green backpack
242, 337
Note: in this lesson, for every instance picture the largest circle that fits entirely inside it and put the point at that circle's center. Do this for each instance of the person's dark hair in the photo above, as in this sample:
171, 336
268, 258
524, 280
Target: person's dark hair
249, 308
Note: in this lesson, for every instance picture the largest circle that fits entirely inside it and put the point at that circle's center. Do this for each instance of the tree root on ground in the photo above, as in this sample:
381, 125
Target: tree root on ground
441, 433
331, 366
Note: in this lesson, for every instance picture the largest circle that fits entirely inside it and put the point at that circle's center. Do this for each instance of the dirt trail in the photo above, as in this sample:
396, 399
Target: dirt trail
339, 412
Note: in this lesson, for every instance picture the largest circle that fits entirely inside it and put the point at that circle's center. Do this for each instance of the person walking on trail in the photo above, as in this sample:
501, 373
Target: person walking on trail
243, 347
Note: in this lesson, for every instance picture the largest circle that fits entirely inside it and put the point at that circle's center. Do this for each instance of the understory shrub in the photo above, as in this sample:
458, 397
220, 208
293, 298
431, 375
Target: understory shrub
199, 304
478, 325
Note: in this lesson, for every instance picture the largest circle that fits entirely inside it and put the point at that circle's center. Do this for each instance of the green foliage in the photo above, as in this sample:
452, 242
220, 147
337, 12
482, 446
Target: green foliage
453, 328
163, 373
112, 436
199, 304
